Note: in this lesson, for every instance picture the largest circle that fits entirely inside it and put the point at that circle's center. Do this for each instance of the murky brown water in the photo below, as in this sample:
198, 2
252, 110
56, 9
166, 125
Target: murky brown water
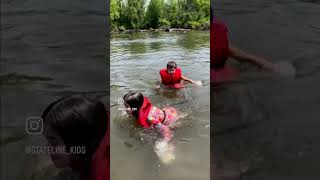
135, 63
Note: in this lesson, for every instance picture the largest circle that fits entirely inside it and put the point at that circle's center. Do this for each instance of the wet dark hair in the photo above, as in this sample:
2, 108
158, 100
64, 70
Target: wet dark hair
80, 120
134, 100
171, 64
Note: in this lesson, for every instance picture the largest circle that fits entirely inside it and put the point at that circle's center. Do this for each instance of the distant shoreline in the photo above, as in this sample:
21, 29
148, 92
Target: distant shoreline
158, 30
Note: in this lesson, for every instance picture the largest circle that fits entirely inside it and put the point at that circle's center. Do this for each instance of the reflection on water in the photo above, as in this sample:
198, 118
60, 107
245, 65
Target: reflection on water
135, 63
265, 127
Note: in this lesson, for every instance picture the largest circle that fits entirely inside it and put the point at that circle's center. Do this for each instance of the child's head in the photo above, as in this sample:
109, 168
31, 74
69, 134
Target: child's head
171, 67
75, 121
133, 102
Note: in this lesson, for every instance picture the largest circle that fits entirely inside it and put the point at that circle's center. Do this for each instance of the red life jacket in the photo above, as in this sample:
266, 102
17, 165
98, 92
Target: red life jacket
143, 113
100, 161
219, 44
169, 79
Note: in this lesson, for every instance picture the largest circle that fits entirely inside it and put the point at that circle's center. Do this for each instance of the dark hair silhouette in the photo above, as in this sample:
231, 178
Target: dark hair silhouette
171, 64
135, 101
80, 120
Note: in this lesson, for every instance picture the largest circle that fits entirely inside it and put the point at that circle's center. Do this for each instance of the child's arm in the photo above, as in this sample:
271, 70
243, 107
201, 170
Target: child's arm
245, 56
164, 131
157, 84
191, 81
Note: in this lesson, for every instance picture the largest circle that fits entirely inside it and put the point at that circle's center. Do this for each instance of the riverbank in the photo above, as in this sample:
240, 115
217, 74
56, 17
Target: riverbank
158, 30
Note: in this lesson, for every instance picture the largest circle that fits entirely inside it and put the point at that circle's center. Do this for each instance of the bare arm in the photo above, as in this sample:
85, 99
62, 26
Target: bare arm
241, 55
157, 84
188, 80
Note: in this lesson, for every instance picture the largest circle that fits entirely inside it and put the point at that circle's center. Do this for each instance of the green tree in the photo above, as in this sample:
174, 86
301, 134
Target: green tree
137, 14
114, 13
171, 12
154, 13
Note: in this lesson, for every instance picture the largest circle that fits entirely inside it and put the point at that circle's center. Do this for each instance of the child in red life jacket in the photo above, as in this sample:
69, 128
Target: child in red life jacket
149, 116
221, 51
171, 76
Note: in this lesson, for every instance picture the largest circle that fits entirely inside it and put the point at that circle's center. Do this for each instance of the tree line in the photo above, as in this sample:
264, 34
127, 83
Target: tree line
154, 14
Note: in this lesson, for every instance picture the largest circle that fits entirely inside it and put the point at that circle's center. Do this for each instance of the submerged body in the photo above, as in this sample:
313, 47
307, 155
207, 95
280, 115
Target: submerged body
171, 77
171, 80
160, 119
149, 116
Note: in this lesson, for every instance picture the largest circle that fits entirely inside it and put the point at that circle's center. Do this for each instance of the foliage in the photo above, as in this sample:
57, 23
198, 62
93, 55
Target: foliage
145, 14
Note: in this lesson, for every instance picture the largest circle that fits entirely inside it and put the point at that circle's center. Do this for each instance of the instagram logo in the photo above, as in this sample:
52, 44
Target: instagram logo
34, 125
120, 101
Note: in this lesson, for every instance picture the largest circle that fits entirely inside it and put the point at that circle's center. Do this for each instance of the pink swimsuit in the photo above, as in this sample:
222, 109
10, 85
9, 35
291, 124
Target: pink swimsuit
166, 116
160, 119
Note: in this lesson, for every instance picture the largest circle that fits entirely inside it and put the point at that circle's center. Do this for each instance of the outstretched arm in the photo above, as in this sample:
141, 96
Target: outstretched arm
164, 131
190, 81
241, 55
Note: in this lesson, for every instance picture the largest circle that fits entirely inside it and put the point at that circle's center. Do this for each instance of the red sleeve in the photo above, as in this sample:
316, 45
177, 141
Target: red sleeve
219, 43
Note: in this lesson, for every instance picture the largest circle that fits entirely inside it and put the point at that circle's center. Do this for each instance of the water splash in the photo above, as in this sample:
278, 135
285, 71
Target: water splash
165, 151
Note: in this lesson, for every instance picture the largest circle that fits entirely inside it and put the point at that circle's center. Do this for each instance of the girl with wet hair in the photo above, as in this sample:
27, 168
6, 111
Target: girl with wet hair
80, 124
149, 116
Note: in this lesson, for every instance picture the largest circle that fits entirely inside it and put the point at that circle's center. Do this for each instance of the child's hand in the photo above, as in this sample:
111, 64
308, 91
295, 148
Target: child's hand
157, 86
198, 83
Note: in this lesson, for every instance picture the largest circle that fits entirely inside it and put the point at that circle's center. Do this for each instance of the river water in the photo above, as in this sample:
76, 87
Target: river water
135, 63
266, 126
48, 49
